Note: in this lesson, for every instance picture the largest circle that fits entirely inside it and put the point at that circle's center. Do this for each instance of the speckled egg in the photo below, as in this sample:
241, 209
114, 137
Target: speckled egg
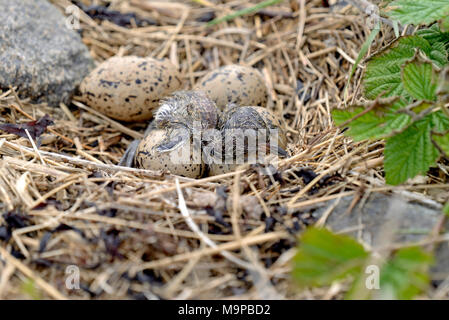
244, 118
154, 153
129, 88
241, 85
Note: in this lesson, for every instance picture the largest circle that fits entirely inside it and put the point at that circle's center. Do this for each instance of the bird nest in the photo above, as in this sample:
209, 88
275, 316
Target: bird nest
141, 234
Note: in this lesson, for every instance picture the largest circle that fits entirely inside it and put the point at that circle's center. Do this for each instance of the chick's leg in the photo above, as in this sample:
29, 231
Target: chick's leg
127, 159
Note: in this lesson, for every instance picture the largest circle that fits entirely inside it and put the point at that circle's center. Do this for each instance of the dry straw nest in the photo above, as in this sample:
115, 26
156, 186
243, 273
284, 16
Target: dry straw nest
130, 232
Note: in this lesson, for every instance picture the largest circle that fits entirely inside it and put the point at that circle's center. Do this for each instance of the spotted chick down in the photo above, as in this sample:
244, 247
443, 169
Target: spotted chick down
247, 121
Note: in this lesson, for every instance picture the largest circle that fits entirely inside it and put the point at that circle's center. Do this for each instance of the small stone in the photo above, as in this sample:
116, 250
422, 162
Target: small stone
39, 54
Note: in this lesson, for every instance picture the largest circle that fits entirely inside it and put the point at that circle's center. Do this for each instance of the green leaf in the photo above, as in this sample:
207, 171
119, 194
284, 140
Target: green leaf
440, 122
374, 124
438, 40
441, 127
433, 34
445, 23
324, 257
443, 143
383, 71
405, 275
410, 152
419, 80
439, 54
418, 12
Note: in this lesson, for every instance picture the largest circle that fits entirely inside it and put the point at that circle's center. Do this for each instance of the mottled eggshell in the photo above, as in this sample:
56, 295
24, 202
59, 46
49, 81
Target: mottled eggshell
222, 168
148, 157
129, 88
241, 85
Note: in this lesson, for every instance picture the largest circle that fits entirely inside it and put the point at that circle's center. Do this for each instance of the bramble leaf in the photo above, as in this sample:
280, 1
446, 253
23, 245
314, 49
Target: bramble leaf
443, 142
435, 36
441, 126
410, 152
383, 71
405, 275
445, 23
418, 12
419, 80
374, 124
439, 54
440, 122
324, 257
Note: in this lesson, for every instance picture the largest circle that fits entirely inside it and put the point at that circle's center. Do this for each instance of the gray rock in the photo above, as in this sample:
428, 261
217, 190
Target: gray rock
385, 220
39, 55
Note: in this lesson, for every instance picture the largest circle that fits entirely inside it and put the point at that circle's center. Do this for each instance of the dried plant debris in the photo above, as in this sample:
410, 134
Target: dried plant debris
34, 128
66, 203
100, 12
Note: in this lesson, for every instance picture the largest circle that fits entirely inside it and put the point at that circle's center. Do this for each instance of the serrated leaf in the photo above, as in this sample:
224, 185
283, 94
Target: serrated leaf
419, 80
445, 24
324, 257
439, 54
405, 275
410, 152
440, 122
441, 127
374, 124
418, 12
443, 143
383, 71
433, 34
439, 41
